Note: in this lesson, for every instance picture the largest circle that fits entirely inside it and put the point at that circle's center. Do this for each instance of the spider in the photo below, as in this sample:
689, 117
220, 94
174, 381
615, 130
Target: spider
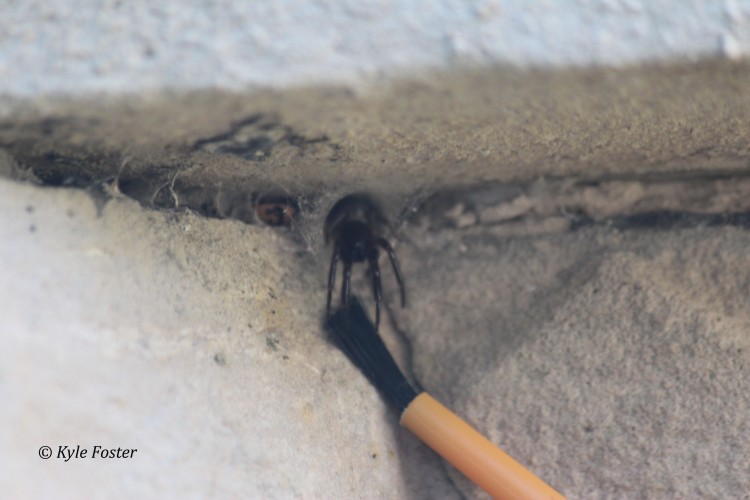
354, 224
276, 210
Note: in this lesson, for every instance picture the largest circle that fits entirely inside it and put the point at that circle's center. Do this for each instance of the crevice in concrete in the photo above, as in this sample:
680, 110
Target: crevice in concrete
673, 201
632, 147
656, 202
173, 183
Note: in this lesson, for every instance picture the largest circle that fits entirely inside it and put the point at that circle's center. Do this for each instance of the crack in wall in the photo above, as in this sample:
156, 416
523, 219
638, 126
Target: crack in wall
677, 200
49, 152
178, 182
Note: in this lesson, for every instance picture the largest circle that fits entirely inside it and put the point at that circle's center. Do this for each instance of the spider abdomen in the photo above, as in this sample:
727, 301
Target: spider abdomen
355, 241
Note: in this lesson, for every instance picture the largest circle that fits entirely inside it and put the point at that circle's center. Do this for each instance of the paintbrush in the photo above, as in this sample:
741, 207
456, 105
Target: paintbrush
442, 430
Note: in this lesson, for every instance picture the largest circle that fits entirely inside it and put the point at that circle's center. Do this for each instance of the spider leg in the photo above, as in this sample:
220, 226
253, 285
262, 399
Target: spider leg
392, 256
332, 278
376, 285
345, 293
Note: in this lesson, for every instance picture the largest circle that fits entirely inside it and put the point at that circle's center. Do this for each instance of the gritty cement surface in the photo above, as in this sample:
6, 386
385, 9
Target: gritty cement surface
211, 149
613, 363
196, 342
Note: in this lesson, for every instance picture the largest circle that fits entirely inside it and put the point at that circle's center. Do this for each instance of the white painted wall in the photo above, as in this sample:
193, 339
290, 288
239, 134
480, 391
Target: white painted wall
85, 46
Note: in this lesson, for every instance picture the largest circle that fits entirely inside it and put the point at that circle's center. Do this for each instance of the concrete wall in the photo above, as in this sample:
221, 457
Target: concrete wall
569, 181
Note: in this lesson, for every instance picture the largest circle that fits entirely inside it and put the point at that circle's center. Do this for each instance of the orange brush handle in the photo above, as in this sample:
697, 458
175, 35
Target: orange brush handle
468, 451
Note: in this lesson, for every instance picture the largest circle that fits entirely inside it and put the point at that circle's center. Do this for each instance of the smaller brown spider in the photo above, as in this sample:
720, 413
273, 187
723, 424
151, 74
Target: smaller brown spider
276, 210
355, 224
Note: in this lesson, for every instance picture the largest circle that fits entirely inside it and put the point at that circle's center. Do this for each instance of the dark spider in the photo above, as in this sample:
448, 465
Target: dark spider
355, 224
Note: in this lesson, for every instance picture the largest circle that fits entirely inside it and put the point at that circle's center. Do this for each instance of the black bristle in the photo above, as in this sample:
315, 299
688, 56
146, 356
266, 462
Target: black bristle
354, 333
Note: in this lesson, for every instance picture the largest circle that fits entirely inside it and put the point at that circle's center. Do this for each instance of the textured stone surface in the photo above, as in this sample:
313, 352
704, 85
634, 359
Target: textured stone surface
613, 363
212, 149
196, 341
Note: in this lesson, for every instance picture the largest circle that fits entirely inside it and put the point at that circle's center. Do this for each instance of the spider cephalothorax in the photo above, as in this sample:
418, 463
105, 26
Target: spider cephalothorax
354, 225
